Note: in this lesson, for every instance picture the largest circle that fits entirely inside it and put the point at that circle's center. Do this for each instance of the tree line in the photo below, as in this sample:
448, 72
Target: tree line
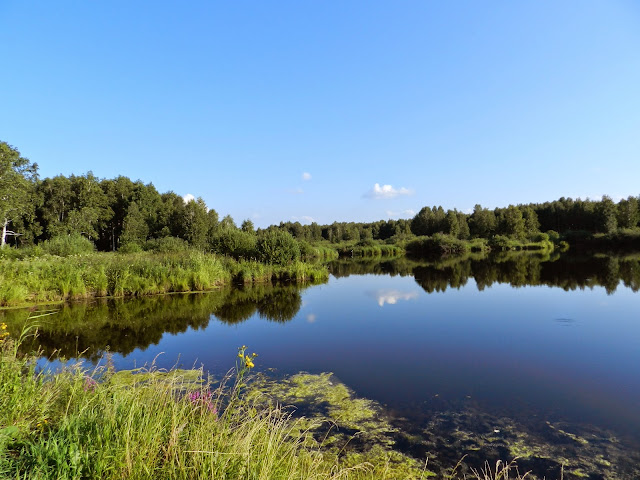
120, 213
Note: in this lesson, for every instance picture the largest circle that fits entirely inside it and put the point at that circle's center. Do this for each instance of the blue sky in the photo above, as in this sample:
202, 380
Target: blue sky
385, 106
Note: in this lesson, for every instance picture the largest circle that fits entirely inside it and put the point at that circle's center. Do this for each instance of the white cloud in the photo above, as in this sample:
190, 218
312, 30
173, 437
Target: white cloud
296, 191
306, 176
303, 219
402, 213
188, 197
391, 297
379, 192
311, 318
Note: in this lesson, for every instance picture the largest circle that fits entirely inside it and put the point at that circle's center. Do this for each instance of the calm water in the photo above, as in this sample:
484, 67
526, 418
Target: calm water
522, 343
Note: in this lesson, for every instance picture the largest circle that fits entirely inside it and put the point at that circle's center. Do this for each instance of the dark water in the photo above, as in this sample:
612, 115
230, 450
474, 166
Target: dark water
521, 347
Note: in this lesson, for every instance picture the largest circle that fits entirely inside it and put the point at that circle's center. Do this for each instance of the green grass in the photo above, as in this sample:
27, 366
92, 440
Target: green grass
53, 278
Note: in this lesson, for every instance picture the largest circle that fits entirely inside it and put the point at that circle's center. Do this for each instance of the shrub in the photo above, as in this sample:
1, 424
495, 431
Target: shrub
166, 245
66, 245
277, 247
235, 243
130, 247
437, 244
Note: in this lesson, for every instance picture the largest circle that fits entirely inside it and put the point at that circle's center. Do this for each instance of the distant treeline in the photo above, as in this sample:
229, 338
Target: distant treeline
119, 213
515, 221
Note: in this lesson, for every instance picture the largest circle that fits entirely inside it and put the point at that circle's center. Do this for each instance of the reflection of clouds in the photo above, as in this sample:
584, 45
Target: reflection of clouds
392, 296
311, 318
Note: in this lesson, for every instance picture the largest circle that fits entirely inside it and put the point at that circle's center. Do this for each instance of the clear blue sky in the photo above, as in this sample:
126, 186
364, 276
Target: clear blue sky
448, 103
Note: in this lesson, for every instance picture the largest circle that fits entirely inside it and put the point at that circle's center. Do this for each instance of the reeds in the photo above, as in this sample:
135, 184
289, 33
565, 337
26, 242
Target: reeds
53, 278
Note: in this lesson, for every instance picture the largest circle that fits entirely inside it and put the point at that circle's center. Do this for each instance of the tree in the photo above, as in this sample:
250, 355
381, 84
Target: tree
482, 223
135, 229
511, 222
606, 215
195, 222
628, 213
247, 226
57, 202
17, 181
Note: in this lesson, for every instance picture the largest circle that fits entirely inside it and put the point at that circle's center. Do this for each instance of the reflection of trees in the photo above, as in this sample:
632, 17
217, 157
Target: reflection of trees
280, 306
521, 269
343, 268
567, 271
278, 303
122, 325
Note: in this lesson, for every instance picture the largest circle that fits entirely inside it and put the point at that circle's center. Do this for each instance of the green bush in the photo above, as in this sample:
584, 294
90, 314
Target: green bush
67, 245
166, 245
236, 244
130, 247
438, 244
277, 247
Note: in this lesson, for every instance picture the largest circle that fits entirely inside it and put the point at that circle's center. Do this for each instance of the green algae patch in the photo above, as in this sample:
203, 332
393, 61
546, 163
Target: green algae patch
352, 432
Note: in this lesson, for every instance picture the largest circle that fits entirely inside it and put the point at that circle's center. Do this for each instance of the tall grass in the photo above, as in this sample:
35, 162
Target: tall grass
53, 278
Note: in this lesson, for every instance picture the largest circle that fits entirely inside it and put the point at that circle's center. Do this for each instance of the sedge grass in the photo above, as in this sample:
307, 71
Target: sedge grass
52, 278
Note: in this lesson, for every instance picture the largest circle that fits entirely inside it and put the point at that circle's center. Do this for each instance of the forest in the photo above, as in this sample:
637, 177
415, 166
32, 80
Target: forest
120, 214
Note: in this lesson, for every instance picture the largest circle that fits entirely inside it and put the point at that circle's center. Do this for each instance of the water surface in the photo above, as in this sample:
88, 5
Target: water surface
516, 348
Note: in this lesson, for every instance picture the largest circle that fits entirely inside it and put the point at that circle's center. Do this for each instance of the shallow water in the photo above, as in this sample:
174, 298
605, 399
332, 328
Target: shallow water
529, 356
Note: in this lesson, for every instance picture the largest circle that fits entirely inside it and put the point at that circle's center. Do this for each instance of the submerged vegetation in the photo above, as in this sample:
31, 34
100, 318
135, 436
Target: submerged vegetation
179, 424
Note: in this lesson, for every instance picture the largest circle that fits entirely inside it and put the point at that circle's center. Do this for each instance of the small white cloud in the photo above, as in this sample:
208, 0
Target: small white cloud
391, 297
379, 192
188, 197
311, 318
306, 176
402, 213
303, 219
296, 191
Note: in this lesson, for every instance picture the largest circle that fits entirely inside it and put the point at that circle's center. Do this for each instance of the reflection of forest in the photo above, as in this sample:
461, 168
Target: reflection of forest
122, 325
566, 271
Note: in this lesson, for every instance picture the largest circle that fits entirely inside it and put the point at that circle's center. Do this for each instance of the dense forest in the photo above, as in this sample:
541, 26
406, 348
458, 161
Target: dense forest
121, 214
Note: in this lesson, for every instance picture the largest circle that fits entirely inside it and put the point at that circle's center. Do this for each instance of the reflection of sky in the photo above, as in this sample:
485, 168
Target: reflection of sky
392, 296
502, 346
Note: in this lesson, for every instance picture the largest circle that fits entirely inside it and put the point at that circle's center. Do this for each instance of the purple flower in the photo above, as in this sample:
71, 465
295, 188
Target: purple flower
90, 384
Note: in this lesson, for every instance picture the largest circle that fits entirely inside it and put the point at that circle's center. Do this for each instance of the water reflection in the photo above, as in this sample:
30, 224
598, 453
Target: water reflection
391, 297
569, 272
123, 325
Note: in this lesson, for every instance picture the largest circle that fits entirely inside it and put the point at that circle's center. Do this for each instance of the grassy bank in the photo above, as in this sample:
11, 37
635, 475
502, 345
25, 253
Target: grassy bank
149, 424
441, 244
51, 278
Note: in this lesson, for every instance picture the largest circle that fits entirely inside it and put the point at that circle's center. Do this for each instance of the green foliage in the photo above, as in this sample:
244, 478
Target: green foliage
235, 243
17, 180
66, 245
166, 245
437, 244
277, 247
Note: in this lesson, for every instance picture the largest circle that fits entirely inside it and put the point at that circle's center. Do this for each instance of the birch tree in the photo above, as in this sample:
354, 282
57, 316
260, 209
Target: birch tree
17, 179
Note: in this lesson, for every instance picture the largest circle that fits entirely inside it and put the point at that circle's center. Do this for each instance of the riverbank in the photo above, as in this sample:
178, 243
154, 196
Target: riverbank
180, 424
50, 278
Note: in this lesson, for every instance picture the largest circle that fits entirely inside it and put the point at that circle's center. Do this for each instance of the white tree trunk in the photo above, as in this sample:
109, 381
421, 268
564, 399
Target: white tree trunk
4, 233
